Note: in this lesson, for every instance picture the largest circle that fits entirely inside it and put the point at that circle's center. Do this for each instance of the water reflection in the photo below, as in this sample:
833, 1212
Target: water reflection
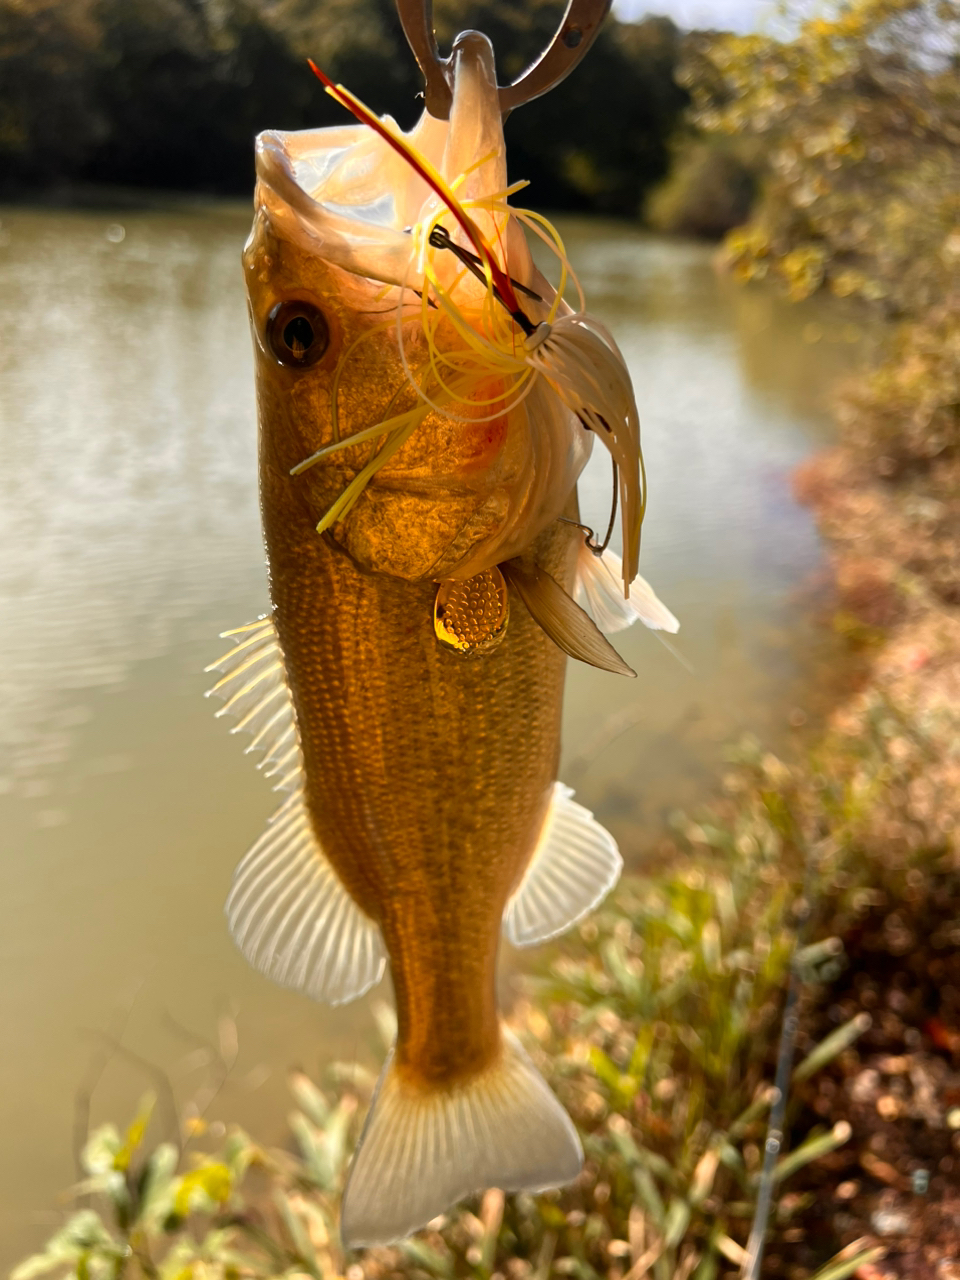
129, 538
732, 385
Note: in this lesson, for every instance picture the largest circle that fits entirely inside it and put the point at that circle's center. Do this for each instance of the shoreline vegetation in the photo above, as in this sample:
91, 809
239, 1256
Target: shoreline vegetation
169, 94
827, 886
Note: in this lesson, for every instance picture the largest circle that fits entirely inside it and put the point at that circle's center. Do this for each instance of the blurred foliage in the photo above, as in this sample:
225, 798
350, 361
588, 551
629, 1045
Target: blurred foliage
710, 188
49, 121
905, 414
859, 119
855, 126
170, 93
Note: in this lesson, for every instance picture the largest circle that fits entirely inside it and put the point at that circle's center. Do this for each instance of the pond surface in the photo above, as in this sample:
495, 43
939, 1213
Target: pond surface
129, 538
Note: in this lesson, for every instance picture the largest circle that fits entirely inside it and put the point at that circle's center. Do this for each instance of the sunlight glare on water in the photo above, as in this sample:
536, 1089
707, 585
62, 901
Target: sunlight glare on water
129, 538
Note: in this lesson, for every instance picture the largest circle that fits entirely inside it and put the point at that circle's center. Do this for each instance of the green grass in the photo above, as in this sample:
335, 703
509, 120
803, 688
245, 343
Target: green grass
657, 1025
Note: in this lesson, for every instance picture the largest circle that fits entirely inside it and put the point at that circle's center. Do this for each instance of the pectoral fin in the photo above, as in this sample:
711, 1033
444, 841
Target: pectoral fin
574, 866
600, 585
567, 625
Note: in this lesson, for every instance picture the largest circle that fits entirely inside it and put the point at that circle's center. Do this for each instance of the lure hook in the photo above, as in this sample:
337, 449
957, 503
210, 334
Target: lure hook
577, 31
590, 538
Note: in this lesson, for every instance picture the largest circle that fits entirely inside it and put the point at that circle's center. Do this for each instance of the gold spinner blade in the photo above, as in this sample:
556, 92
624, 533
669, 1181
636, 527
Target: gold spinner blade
471, 616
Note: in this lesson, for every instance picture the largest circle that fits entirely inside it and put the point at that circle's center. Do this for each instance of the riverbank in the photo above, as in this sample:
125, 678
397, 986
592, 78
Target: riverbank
860, 140
836, 874
894, 544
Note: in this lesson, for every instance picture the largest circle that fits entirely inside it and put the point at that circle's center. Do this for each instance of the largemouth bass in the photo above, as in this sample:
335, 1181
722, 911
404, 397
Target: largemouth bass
427, 402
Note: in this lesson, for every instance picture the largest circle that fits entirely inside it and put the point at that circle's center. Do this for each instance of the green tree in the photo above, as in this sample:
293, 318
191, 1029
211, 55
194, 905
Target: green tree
50, 120
859, 117
170, 93
184, 84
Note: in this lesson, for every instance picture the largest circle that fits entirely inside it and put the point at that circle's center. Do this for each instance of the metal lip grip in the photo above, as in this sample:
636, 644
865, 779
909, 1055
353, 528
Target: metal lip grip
578, 30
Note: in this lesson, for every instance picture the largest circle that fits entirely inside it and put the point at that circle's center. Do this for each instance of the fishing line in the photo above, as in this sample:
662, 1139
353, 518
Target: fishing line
684, 662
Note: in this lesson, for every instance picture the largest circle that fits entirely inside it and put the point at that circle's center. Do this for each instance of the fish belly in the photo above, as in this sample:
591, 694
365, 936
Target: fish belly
427, 774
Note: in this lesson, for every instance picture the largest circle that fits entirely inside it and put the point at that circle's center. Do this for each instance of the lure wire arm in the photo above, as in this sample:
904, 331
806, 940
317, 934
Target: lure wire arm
598, 548
613, 513
578, 29
589, 537
439, 238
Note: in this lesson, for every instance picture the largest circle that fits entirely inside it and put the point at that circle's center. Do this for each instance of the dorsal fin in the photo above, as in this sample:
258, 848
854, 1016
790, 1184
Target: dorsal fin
255, 691
289, 912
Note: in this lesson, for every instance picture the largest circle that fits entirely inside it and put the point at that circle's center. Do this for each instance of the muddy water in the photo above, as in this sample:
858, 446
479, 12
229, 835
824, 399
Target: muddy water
129, 539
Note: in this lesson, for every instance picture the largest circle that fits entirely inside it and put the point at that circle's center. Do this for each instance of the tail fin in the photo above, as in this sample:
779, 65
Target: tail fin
423, 1150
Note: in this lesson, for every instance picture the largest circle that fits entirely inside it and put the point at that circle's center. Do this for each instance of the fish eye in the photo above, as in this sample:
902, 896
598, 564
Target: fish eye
297, 333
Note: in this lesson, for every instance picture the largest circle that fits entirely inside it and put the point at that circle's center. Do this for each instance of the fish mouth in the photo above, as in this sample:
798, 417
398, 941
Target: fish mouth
345, 196
338, 233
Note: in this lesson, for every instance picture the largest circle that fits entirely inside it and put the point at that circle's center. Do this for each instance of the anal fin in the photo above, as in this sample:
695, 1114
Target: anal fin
574, 866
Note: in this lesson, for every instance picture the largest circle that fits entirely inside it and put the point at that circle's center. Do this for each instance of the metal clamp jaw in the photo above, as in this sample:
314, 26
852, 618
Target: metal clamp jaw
576, 33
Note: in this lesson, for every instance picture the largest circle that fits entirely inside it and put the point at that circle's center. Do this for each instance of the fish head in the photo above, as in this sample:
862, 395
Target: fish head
434, 450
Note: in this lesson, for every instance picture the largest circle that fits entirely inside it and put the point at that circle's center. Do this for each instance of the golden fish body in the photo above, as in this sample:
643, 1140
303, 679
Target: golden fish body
425, 792
406, 693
